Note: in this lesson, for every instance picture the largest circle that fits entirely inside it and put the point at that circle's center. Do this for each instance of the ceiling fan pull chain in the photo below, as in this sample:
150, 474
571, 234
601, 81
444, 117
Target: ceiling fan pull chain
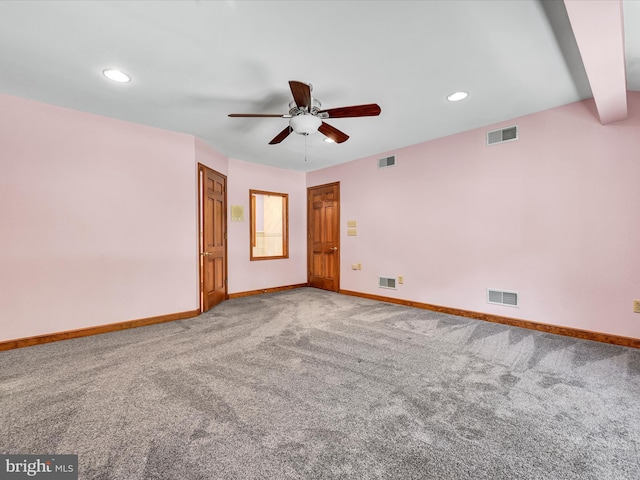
305, 146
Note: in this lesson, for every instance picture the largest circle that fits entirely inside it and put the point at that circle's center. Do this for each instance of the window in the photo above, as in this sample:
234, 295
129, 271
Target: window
269, 214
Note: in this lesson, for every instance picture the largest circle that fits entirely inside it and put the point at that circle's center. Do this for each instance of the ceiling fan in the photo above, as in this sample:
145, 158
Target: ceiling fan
305, 115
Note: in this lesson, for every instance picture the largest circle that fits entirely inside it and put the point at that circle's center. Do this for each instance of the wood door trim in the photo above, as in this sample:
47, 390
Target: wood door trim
335, 185
200, 233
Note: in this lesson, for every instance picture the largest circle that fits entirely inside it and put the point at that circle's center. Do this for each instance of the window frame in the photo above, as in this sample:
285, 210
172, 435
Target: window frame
252, 225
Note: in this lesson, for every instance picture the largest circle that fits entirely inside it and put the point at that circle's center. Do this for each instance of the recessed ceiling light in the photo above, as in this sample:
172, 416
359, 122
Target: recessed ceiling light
329, 140
116, 75
457, 96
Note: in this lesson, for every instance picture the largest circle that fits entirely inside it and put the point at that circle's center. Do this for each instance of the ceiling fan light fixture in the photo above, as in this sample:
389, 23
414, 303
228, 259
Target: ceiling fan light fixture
305, 124
116, 75
329, 140
457, 96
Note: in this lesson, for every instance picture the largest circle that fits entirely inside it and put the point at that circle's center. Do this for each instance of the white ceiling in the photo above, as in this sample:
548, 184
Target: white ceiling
193, 62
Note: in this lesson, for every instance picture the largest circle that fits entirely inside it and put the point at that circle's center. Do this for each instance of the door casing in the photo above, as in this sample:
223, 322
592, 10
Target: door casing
323, 236
212, 238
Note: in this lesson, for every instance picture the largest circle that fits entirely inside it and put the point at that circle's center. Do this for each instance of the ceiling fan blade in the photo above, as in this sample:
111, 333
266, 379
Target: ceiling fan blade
301, 93
333, 133
260, 115
369, 110
281, 136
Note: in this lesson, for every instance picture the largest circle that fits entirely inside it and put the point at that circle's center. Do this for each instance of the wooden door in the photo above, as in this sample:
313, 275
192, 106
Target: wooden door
323, 247
213, 238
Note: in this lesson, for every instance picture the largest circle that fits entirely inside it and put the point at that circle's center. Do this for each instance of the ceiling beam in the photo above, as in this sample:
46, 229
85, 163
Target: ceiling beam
598, 26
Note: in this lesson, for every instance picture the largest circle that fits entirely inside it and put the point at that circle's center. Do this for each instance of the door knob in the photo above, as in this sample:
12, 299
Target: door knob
333, 249
206, 254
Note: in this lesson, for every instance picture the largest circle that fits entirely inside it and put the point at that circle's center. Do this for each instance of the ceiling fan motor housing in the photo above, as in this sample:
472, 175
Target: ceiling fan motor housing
315, 107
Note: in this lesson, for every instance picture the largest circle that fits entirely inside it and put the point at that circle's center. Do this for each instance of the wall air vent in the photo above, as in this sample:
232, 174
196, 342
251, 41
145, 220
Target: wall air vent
508, 134
387, 282
387, 162
502, 297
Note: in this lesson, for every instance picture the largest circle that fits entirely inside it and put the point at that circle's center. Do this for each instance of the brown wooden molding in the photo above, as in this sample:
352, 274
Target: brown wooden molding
514, 322
266, 290
85, 332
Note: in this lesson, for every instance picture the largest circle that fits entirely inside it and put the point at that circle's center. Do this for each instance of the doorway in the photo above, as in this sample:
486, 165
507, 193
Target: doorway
212, 207
323, 238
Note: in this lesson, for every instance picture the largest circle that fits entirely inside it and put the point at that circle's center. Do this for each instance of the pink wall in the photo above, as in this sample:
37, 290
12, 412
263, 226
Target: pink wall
97, 217
245, 275
211, 158
98, 220
554, 216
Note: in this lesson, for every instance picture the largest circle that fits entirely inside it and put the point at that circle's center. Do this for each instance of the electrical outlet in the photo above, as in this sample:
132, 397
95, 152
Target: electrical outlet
636, 306
354, 266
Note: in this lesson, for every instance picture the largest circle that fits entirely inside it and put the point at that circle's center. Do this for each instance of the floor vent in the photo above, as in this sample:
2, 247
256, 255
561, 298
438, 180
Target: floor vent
387, 162
508, 134
387, 282
501, 297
